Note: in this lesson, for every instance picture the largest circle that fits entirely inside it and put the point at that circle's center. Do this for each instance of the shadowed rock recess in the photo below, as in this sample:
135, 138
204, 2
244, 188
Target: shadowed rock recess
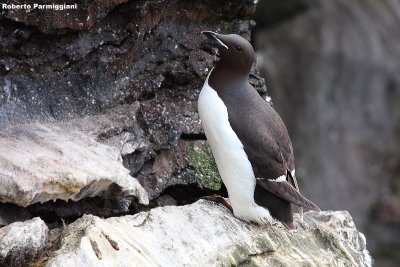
98, 115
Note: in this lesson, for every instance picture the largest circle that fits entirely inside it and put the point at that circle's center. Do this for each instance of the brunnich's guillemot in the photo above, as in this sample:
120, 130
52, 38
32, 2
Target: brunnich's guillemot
248, 139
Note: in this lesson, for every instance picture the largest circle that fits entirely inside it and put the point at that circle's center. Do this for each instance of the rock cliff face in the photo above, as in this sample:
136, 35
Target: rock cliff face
147, 54
98, 116
333, 70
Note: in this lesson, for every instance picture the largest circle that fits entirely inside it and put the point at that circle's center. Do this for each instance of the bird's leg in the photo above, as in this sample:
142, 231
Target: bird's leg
217, 198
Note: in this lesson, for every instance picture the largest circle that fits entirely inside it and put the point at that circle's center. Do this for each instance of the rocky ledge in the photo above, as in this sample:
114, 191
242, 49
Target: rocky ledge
206, 234
39, 163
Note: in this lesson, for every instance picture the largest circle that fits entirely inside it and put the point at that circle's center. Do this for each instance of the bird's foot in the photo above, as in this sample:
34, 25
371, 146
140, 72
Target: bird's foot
217, 198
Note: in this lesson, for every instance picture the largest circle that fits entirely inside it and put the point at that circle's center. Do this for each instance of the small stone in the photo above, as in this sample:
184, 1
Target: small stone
21, 242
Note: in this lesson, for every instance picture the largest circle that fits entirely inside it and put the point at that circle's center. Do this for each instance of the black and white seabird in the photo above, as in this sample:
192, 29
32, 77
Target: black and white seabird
248, 139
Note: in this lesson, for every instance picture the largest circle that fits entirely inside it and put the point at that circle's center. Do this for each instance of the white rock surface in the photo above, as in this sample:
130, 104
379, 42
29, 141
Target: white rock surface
22, 241
206, 234
39, 163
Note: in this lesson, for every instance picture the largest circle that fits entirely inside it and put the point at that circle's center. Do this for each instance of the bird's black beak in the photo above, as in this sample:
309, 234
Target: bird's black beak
215, 37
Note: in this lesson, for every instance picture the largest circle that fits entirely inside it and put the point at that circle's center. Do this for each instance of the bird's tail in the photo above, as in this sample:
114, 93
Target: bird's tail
287, 192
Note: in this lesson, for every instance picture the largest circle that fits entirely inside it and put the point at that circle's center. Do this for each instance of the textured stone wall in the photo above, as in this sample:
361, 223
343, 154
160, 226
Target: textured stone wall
108, 55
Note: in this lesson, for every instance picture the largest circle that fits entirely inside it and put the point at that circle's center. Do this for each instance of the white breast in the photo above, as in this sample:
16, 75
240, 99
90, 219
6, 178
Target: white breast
232, 162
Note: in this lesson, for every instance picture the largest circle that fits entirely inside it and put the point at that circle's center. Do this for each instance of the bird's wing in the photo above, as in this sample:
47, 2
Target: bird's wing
264, 153
287, 192
266, 143
270, 160
265, 139
268, 168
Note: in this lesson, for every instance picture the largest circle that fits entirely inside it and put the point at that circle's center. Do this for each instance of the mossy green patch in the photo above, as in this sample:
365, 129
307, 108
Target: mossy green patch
205, 167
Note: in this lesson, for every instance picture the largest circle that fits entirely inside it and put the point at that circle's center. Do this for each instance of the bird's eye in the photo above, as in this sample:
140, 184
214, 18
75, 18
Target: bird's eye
238, 48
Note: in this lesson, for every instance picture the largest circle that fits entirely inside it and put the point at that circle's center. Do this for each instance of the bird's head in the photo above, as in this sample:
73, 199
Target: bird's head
236, 53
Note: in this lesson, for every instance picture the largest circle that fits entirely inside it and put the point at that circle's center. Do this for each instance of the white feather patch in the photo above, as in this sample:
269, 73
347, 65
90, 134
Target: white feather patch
280, 179
232, 162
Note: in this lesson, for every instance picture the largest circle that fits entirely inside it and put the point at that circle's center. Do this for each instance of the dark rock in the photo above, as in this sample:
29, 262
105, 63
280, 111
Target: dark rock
54, 213
124, 57
86, 14
257, 81
10, 213
160, 125
166, 200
